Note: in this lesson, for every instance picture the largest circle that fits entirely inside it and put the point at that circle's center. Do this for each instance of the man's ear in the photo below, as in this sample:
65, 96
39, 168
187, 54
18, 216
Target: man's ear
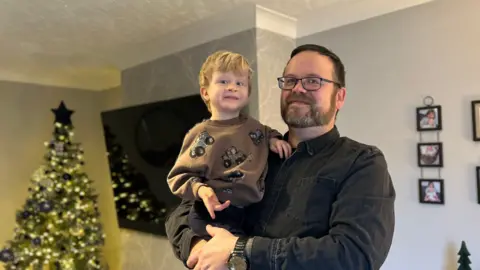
341, 93
204, 94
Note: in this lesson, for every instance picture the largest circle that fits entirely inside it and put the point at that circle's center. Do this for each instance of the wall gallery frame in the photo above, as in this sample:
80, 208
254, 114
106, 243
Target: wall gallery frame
476, 120
430, 154
478, 184
431, 191
429, 118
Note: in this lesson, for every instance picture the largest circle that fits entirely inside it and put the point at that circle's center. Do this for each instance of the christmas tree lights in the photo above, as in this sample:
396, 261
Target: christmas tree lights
59, 224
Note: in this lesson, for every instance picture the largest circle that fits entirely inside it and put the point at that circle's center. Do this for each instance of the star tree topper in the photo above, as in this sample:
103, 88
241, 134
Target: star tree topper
62, 114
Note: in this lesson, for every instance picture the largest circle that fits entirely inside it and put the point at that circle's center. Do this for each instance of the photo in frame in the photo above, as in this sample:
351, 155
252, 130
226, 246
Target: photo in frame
431, 191
429, 118
430, 154
476, 120
478, 184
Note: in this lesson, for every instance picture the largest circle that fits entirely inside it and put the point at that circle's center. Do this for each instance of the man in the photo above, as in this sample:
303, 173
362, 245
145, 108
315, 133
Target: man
329, 206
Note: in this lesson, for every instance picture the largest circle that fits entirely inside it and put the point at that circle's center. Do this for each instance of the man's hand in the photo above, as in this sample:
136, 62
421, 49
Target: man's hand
197, 245
195, 248
214, 254
281, 147
211, 201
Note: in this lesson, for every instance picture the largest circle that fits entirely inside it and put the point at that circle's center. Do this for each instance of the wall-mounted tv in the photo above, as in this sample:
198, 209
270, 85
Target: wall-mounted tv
142, 143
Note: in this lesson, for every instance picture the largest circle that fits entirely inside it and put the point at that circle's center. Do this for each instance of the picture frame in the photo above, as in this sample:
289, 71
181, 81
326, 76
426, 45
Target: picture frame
431, 191
430, 154
478, 184
429, 118
476, 120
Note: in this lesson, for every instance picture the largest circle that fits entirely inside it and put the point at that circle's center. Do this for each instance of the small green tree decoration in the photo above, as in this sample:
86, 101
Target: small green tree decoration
463, 261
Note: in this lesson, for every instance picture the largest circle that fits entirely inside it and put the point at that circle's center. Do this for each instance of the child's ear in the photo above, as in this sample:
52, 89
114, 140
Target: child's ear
204, 93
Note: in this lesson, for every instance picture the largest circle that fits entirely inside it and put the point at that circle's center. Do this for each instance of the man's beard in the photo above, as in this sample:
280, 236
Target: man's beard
312, 118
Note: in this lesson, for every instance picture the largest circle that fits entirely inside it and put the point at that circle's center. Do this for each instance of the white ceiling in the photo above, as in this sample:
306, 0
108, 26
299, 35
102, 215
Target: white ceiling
68, 40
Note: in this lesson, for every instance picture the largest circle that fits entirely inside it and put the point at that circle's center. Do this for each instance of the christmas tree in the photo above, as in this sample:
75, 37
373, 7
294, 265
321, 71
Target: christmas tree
464, 261
58, 226
133, 198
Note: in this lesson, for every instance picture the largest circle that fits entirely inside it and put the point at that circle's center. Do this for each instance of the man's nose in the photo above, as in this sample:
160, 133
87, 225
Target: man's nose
299, 87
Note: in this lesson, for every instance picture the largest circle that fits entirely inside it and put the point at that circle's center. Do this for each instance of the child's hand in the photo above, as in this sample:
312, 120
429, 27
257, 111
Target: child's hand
280, 147
211, 201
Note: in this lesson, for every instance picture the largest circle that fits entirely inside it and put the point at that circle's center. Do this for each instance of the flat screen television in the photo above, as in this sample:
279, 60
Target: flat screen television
143, 143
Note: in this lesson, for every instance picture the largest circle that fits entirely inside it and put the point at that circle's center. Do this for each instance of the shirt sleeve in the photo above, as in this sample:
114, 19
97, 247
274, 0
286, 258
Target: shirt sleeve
361, 226
185, 177
178, 231
273, 133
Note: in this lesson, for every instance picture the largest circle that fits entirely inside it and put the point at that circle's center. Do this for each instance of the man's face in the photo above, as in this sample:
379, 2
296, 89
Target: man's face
301, 108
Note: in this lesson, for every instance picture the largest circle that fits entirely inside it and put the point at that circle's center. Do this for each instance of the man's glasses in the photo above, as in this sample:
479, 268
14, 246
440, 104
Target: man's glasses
308, 83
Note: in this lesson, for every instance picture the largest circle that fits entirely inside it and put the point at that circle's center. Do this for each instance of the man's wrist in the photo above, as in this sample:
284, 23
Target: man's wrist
238, 257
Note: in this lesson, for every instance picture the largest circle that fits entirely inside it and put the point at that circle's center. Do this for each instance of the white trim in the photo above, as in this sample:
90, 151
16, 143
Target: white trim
276, 22
348, 12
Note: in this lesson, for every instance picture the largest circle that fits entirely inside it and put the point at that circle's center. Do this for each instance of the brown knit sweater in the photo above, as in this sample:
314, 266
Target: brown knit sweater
229, 156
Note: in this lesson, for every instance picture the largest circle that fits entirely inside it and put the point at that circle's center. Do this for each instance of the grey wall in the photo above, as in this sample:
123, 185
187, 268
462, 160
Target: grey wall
392, 63
176, 75
273, 52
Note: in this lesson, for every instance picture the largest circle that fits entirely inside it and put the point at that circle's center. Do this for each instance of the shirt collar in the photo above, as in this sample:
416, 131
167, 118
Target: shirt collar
317, 144
228, 122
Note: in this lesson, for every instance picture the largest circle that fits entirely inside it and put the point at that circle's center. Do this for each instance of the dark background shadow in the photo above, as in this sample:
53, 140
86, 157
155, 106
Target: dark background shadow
151, 136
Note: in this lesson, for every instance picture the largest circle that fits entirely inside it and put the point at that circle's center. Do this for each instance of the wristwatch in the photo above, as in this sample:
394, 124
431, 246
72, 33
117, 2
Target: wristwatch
237, 259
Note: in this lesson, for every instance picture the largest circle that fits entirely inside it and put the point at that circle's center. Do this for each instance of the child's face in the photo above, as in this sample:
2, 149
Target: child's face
227, 92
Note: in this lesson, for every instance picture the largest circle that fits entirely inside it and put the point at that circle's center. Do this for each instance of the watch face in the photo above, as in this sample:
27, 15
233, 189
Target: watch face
237, 263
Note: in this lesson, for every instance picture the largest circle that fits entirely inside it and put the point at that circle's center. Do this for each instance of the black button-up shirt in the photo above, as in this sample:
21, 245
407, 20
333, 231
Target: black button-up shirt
328, 206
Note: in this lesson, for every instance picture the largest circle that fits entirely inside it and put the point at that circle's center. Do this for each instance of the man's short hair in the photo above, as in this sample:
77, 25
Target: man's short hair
339, 69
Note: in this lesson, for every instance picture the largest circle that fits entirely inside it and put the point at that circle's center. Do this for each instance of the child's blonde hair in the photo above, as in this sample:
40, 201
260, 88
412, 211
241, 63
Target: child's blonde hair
223, 61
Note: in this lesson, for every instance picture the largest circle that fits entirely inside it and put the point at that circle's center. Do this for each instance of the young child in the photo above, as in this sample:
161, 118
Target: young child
223, 160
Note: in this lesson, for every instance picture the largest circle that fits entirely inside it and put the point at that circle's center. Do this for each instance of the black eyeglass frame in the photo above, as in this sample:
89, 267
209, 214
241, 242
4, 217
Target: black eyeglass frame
302, 81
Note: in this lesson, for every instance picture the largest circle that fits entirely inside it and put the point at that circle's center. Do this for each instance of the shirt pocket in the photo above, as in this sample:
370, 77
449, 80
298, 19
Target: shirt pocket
311, 200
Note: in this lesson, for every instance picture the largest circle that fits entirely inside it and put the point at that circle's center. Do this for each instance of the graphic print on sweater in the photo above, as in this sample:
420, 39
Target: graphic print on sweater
233, 156
201, 143
256, 136
235, 176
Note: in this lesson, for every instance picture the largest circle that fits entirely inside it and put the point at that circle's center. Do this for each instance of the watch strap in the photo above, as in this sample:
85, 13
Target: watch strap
240, 245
